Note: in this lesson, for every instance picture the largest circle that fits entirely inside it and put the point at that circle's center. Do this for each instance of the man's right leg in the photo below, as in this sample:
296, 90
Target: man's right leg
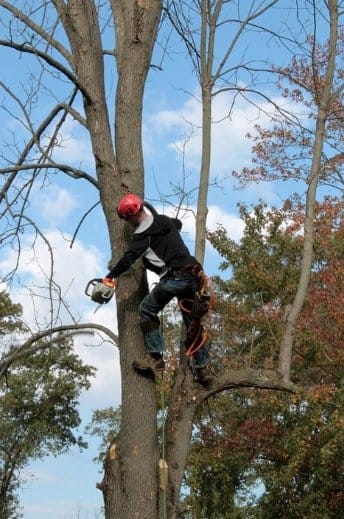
149, 309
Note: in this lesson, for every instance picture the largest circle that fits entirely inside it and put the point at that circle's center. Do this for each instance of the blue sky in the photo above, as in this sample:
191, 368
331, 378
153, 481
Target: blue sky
65, 487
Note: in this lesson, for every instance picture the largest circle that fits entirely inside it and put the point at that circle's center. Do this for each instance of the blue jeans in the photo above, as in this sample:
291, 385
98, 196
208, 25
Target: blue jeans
168, 288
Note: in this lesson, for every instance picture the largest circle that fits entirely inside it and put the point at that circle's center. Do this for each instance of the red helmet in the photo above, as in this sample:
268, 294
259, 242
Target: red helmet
129, 206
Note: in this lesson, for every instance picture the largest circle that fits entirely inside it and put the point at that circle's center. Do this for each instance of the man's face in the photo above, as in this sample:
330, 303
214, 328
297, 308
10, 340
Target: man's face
134, 220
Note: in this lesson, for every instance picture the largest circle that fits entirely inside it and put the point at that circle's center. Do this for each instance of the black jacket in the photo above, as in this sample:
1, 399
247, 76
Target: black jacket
158, 242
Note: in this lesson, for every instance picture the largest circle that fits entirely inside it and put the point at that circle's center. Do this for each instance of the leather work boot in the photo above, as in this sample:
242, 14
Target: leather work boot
203, 375
152, 364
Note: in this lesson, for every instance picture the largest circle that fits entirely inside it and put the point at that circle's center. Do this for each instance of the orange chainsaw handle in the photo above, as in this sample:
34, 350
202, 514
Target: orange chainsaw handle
109, 282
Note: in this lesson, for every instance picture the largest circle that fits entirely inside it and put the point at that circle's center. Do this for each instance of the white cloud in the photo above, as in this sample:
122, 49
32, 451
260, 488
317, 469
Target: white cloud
106, 385
230, 147
231, 222
55, 204
59, 509
73, 268
216, 216
43, 475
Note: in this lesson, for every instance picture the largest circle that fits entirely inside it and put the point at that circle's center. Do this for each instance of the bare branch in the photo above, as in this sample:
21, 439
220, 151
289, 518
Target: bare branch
21, 217
74, 113
38, 29
24, 47
30, 346
69, 170
81, 222
34, 140
289, 116
109, 52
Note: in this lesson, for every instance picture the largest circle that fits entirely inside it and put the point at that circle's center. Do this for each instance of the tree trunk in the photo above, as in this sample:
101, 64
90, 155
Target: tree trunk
202, 208
208, 22
179, 423
80, 21
131, 475
133, 458
325, 100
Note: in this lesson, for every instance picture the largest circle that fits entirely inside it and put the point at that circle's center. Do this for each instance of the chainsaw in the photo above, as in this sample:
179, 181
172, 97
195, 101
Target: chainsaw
100, 290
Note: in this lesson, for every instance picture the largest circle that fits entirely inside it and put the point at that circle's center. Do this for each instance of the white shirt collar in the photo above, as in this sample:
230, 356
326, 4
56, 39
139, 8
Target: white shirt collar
145, 224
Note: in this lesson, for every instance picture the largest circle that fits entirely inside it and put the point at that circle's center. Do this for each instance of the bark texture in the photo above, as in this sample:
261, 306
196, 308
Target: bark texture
131, 474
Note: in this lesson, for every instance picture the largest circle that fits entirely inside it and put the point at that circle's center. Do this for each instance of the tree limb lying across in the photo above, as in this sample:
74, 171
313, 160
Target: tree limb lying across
30, 346
65, 168
254, 378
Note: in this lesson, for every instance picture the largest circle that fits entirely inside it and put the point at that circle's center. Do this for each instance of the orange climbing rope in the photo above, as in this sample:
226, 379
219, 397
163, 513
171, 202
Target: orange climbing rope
197, 309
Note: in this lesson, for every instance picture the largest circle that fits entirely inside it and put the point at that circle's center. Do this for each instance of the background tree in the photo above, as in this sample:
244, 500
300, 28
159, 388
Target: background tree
212, 32
104, 425
292, 448
315, 80
38, 406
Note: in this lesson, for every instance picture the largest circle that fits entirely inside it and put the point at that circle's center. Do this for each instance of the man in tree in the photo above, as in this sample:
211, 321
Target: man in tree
156, 239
